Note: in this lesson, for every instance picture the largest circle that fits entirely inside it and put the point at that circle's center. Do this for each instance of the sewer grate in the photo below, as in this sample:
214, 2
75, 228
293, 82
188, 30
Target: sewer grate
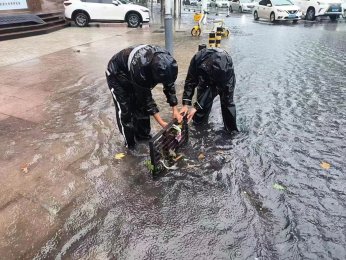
165, 142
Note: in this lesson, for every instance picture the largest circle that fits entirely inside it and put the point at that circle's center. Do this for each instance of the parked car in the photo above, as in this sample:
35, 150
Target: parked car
282, 10
344, 9
313, 8
242, 5
193, 2
219, 3
82, 12
126, 2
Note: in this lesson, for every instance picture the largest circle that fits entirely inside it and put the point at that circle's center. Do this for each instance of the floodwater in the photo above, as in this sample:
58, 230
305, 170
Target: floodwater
260, 194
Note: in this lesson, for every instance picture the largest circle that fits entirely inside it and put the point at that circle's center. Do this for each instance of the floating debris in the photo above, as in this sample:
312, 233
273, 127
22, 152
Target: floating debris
119, 156
278, 186
325, 165
201, 156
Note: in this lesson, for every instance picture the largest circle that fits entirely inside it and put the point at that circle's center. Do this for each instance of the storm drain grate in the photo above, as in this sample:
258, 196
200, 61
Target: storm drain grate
158, 31
168, 140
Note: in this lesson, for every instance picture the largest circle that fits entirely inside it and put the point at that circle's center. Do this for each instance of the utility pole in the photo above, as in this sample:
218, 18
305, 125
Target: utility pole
204, 9
168, 26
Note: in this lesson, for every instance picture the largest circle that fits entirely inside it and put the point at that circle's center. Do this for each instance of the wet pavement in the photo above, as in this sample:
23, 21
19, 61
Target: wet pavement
261, 194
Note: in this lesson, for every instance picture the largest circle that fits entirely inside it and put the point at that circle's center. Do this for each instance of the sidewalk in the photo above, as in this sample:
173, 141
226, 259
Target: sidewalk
55, 111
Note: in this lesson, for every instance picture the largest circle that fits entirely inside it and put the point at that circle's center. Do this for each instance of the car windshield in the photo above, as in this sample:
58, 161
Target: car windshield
281, 2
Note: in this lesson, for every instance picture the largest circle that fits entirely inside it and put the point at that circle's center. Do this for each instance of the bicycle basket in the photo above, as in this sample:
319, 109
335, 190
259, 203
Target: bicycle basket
166, 141
197, 17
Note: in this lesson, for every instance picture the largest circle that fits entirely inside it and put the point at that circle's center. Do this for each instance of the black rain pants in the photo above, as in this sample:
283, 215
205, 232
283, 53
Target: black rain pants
133, 121
206, 97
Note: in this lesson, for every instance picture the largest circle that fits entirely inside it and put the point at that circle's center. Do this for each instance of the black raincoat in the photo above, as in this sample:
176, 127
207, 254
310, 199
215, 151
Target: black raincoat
211, 72
131, 75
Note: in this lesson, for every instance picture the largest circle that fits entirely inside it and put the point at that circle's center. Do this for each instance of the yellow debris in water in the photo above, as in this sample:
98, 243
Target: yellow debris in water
24, 168
119, 156
201, 156
325, 165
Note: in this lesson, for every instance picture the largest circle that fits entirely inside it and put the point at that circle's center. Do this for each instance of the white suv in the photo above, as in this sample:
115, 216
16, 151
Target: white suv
84, 11
313, 8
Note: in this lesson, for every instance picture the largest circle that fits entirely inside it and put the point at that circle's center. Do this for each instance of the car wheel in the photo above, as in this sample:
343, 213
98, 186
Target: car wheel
240, 9
81, 19
255, 16
333, 17
310, 14
272, 17
133, 20
195, 32
295, 21
230, 9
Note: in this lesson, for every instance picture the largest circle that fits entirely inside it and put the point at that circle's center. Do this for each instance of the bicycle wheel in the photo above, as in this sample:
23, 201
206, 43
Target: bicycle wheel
226, 33
195, 32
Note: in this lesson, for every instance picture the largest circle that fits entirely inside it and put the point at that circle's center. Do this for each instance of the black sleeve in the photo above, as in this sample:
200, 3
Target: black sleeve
170, 93
191, 83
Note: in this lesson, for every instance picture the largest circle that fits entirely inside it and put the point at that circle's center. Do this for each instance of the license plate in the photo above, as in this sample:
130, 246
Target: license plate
291, 16
335, 9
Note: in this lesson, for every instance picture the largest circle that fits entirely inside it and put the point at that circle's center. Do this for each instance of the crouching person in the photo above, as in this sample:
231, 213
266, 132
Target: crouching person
211, 72
131, 75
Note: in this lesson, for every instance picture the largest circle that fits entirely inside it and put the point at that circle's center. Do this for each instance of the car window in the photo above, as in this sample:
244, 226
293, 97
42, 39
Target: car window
99, 1
282, 2
263, 2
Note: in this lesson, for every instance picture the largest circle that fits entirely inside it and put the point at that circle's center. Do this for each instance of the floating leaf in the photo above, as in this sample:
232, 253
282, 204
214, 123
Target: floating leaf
119, 156
278, 187
325, 165
201, 156
149, 165
172, 153
24, 168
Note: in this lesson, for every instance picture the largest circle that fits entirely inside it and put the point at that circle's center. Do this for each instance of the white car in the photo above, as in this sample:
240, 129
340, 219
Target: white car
313, 8
242, 5
220, 3
84, 11
281, 10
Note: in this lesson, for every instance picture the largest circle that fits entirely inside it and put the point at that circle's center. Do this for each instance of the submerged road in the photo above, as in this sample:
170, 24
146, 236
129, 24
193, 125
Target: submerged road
276, 190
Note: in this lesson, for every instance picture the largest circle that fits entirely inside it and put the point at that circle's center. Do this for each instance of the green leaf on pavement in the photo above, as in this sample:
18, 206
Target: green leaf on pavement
278, 187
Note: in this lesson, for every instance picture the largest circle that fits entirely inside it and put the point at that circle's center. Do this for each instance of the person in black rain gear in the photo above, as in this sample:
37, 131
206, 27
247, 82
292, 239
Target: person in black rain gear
131, 75
211, 72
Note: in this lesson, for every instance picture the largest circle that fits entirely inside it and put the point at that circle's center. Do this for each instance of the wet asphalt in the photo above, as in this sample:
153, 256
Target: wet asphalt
263, 193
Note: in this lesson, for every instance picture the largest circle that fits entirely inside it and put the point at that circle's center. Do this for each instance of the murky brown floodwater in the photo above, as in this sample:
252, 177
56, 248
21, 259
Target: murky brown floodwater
290, 96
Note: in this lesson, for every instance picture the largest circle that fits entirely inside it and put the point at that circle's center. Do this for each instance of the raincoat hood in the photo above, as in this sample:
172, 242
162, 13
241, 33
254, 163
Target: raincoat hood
164, 69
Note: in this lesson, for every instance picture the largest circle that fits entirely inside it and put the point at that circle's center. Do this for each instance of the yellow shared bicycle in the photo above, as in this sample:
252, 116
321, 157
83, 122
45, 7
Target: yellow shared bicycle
197, 29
